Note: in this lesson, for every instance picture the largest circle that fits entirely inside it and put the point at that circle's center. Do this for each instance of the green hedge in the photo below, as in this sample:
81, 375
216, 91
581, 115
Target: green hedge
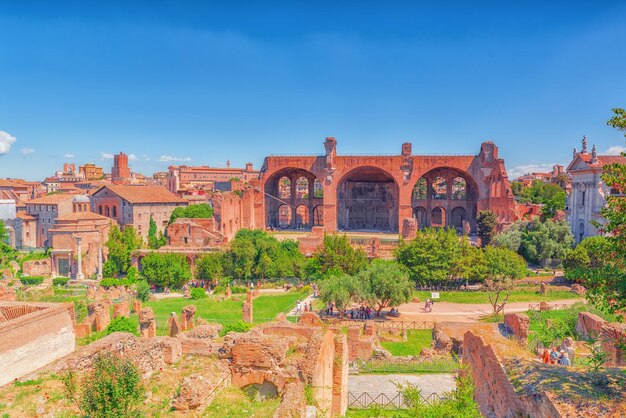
218, 290
198, 293
31, 281
60, 281
113, 282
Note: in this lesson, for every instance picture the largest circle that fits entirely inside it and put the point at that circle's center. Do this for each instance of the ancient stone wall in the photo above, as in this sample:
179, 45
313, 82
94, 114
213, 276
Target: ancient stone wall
493, 391
37, 268
589, 325
518, 325
32, 340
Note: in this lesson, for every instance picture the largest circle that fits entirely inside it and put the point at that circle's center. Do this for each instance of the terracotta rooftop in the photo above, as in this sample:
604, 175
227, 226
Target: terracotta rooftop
10, 183
603, 159
79, 216
24, 216
143, 194
51, 199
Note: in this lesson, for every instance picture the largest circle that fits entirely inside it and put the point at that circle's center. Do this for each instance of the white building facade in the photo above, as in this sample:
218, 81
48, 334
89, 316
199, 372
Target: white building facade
588, 191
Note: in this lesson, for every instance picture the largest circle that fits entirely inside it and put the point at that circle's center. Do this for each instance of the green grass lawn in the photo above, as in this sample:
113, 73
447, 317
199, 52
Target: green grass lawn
416, 341
265, 308
482, 297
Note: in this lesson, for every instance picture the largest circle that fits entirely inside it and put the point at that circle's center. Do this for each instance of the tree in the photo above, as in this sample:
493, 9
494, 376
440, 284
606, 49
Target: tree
112, 389
155, 242
120, 244
546, 240
606, 282
336, 255
4, 233
502, 267
510, 239
202, 210
341, 291
432, 256
486, 222
385, 284
575, 259
166, 270
210, 268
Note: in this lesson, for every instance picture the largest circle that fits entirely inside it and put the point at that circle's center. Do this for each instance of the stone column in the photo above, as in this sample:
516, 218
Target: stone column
247, 308
79, 259
147, 323
99, 275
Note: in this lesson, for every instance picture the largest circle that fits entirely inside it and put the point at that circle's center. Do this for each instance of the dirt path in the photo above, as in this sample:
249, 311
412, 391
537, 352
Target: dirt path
463, 312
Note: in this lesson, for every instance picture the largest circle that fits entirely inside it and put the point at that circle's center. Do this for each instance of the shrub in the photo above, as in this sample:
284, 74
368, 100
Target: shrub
113, 282
31, 281
80, 311
60, 281
238, 326
113, 389
123, 324
132, 273
198, 293
143, 291
218, 290
238, 289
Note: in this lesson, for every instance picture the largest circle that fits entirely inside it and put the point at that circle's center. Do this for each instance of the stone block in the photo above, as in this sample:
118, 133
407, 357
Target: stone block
517, 324
121, 309
173, 325
136, 306
310, 319
82, 330
293, 402
340, 376
147, 323
99, 315
172, 349
589, 325
409, 228
187, 317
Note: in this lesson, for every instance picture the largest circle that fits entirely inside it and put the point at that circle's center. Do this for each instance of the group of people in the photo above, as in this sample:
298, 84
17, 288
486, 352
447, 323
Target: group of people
364, 312
303, 307
556, 357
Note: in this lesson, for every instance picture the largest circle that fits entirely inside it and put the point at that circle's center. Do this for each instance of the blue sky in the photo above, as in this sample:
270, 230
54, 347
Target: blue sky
204, 83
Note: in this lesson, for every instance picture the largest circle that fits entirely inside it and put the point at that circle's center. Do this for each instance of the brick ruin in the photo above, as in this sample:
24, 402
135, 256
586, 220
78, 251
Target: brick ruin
33, 335
611, 335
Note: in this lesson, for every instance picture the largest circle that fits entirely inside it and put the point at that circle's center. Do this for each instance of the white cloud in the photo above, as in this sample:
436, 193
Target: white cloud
615, 150
132, 157
6, 140
69, 156
519, 170
169, 159
145, 157
106, 156
26, 151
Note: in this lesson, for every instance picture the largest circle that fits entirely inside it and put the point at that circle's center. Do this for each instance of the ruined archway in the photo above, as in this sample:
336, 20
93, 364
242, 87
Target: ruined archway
286, 191
318, 216
451, 190
367, 200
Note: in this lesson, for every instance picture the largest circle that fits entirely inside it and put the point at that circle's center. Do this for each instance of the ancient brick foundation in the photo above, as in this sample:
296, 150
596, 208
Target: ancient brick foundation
187, 317
200, 340
31, 336
246, 309
37, 268
99, 315
147, 323
121, 309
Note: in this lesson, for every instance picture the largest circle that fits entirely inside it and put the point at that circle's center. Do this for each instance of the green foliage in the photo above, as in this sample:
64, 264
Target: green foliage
598, 357
486, 222
598, 249
239, 326
577, 258
120, 245
254, 254
210, 267
202, 210
123, 324
385, 284
618, 121
166, 270
433, 256
552, 196
416, 341
60, 281
503, 264
113, 282
31, 280
143, 291
7, 254
132, 273
155, 241
4, 233
113, 389
336, 256
198, 293
341, 290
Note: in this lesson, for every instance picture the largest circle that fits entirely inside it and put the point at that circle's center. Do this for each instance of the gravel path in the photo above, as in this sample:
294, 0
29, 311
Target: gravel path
385, 383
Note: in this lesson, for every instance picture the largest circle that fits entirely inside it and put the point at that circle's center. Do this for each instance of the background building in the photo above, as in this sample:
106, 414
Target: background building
588, 192
91, 171
203, 177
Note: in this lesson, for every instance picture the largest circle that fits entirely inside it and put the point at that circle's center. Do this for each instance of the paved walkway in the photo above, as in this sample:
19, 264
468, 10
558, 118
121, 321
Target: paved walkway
373, 384
463, 312
309, 299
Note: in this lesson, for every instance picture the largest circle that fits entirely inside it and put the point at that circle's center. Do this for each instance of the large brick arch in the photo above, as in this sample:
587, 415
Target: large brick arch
368, 199
484, 173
